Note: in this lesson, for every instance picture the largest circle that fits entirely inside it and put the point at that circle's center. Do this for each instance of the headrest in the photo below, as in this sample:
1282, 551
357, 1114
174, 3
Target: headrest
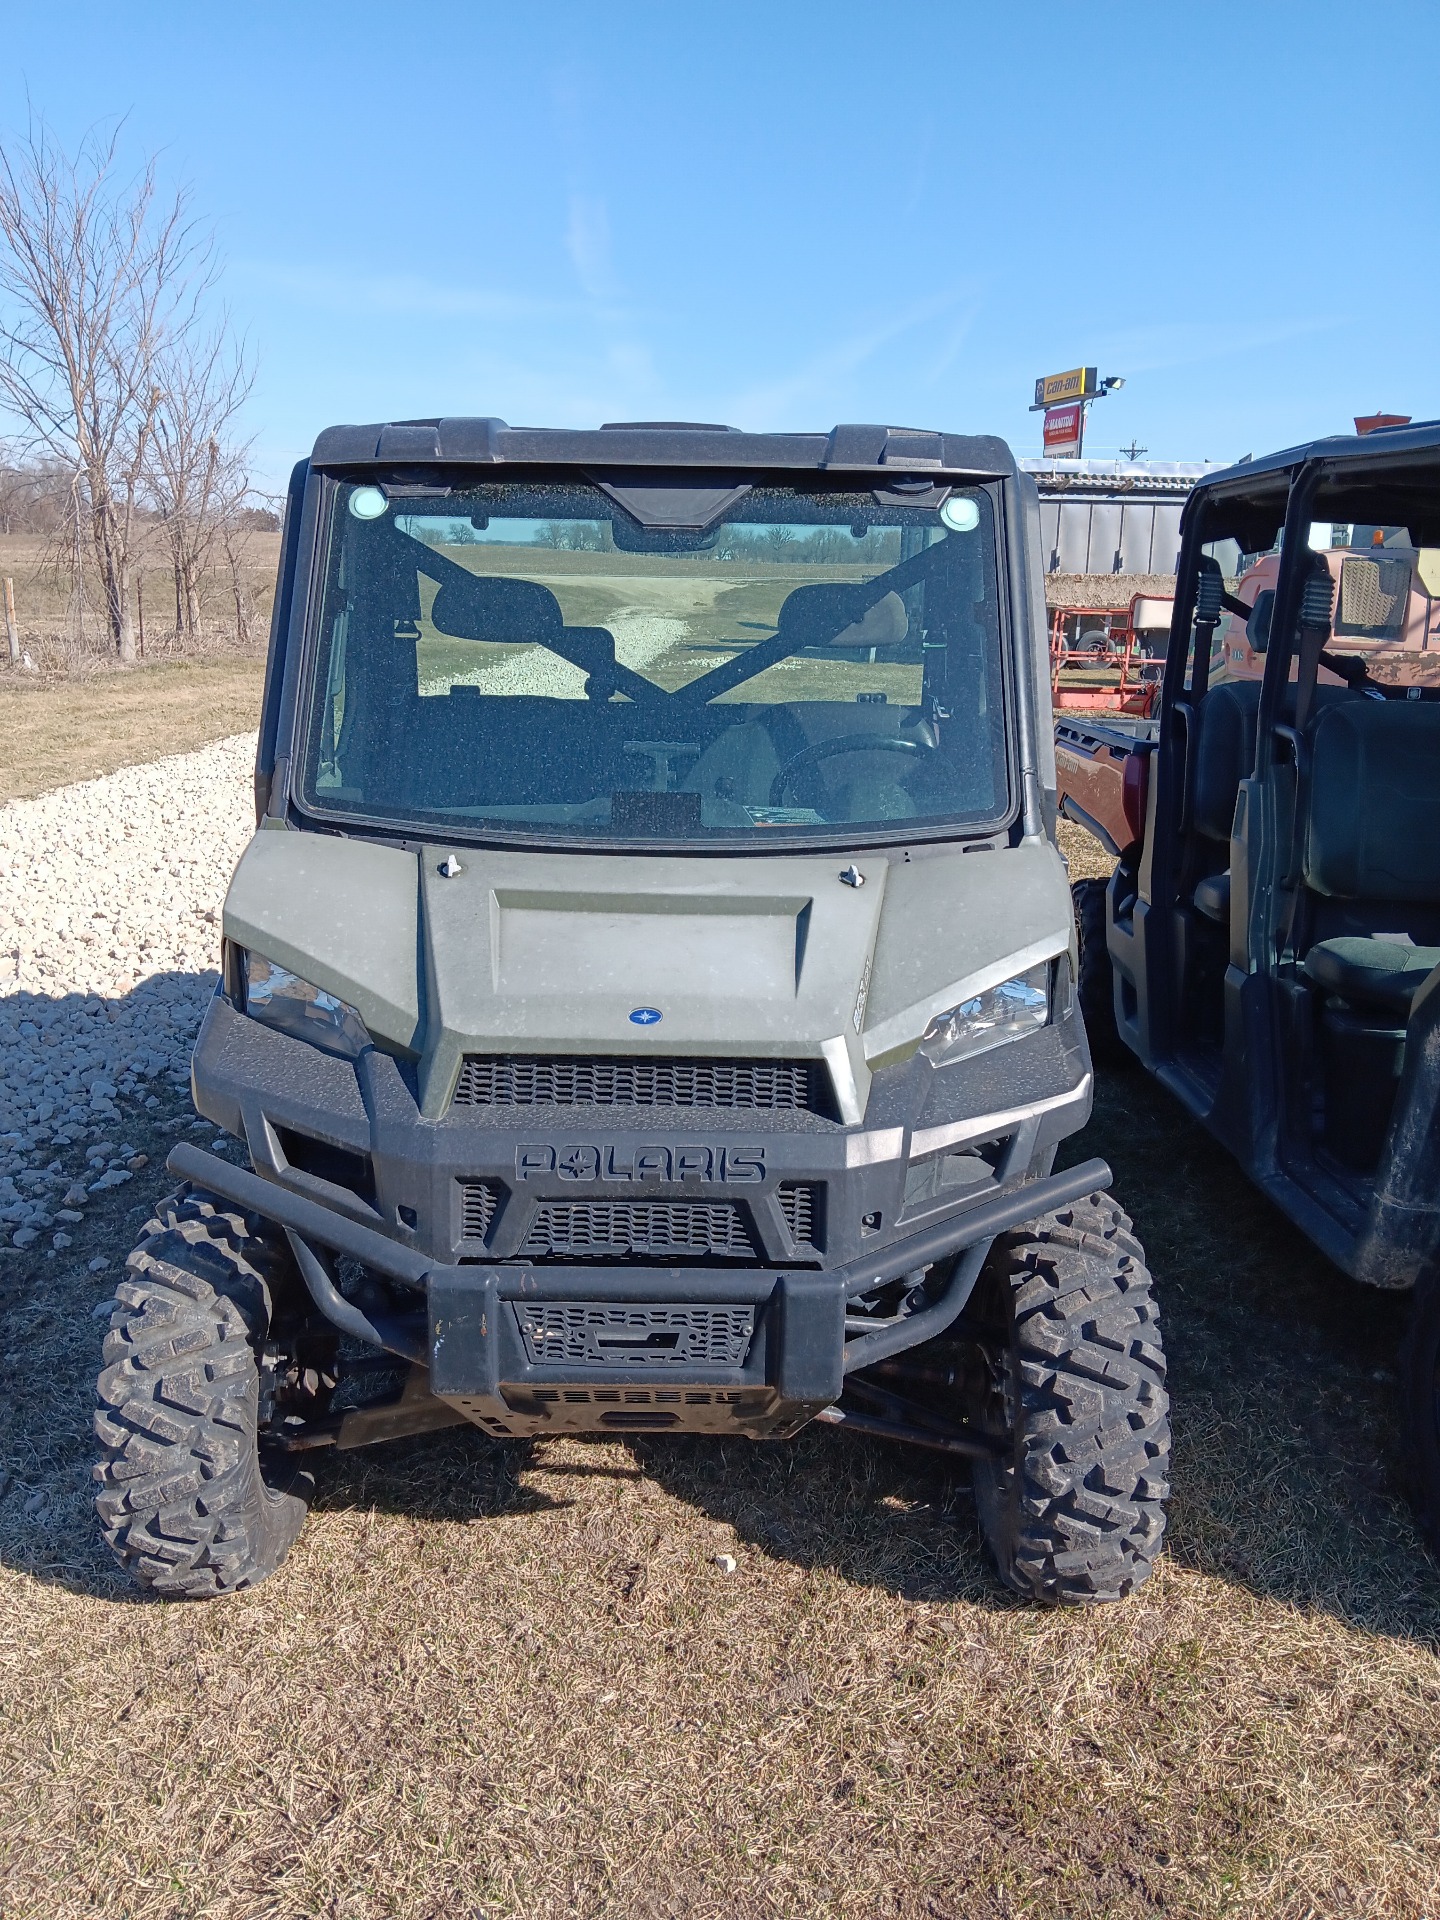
832, 614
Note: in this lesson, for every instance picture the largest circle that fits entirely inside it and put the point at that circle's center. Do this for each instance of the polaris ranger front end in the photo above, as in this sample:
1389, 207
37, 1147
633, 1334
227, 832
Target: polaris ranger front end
648, 999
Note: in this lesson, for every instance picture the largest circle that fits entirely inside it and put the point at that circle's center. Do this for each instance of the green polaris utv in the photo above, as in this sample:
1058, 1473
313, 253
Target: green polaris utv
648, 1000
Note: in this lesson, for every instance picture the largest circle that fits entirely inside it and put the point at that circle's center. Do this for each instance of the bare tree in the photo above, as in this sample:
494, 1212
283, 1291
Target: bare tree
196, 480
98, 276
236, 531
34, 494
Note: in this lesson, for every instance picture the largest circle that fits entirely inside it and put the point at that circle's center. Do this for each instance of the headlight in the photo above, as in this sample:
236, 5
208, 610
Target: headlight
1007, 1012
278, 998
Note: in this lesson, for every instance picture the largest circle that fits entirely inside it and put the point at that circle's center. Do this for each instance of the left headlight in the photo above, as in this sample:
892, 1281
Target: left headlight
278, 998
1007, 1012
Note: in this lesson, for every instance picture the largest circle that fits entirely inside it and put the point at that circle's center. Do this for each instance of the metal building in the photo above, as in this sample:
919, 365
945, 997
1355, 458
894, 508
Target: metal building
1110, 516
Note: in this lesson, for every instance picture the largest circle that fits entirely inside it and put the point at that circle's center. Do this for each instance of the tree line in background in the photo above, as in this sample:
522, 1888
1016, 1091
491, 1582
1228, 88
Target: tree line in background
121, 384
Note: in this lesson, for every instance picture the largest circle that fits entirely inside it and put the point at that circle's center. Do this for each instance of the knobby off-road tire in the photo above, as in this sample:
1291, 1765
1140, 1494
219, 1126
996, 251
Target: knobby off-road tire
1420, 1405
187, 1500
1075, 1511
1095, 985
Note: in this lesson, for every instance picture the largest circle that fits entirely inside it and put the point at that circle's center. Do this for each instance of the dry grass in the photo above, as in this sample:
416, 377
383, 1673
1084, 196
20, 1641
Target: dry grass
513, 1681
78, 714
1084, 855
56, 729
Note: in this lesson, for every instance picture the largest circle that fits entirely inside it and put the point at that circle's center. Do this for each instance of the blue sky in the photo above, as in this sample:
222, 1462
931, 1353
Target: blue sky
792, 213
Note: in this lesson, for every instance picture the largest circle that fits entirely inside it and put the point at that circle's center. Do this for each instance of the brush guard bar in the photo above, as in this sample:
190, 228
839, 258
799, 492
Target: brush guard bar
800, 1350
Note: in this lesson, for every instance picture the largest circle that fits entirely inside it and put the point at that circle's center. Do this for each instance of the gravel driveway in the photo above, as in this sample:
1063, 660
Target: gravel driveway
110, 895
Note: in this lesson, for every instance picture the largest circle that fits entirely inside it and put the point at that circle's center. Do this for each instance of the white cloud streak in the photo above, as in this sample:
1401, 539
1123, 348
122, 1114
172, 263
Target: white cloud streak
403, 295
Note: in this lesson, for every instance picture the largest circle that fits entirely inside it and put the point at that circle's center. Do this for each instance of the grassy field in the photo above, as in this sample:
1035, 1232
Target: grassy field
56, 729
514, 1681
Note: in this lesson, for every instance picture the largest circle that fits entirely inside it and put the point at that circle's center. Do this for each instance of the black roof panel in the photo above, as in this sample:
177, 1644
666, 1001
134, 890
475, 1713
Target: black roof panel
482, 442
1421, 436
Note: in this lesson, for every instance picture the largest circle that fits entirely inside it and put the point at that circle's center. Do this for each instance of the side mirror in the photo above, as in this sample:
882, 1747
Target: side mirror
1257, 627
480, 606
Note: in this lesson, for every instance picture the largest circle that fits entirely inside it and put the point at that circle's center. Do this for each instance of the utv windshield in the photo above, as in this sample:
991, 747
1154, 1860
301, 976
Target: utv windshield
529, 661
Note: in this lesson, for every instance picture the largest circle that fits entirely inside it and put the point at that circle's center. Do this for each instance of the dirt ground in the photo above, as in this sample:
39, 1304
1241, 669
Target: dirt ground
517, 1680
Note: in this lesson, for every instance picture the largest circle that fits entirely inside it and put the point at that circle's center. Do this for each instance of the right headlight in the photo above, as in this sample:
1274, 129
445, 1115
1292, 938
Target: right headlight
278, 998
1007, 1012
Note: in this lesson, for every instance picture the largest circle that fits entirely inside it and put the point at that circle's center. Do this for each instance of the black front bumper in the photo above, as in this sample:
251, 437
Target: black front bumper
534, 1350
525, 1336
523, 1350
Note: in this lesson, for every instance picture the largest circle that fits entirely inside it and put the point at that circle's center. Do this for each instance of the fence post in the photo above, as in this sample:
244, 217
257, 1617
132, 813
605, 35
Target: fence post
11, 633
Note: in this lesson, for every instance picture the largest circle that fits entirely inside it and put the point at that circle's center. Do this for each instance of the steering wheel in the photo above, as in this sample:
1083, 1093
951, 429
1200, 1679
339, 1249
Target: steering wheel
828, 749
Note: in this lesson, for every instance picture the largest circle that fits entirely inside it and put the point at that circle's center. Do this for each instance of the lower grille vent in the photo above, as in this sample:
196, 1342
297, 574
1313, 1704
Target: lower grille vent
801, 1204
546, 1080
654, 1229
478, 1201
582, 1333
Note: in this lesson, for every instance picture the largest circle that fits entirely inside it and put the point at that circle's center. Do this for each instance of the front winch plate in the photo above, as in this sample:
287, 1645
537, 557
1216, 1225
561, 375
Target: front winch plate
583, 1333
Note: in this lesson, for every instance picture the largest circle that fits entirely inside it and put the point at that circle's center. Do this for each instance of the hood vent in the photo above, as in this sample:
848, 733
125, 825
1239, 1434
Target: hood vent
614, 1080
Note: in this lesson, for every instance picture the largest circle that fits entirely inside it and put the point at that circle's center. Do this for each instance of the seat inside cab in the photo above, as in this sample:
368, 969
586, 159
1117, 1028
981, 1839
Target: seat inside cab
1224, 754
1370, 911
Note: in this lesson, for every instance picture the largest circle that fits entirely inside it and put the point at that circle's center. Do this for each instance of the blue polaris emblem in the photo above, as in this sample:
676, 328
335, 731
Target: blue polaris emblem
647, 1016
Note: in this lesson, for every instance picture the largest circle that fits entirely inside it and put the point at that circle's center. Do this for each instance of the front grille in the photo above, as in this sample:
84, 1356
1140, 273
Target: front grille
580, 1333
478, 1201
658, 1229
801, 1203
1374, 595
546, 1080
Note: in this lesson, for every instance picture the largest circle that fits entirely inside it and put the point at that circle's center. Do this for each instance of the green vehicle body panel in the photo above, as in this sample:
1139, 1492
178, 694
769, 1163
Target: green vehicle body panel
749, 955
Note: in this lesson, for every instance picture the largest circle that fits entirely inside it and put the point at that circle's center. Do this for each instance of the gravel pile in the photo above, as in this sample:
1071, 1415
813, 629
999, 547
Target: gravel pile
1082, 590
110, 894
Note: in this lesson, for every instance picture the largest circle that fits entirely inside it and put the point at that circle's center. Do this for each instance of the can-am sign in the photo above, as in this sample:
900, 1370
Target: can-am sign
1081, 383
1063, 426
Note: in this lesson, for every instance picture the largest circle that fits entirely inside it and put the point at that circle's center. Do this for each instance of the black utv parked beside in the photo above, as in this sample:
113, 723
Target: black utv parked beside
1272, 938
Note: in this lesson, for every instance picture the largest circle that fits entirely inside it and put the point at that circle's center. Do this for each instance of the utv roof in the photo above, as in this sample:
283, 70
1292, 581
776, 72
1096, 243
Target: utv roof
660, 443
1363, 477
1419, 437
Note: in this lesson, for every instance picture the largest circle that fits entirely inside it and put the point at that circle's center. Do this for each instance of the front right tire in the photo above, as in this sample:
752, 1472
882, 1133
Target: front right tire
1073, 1510
188, 1499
